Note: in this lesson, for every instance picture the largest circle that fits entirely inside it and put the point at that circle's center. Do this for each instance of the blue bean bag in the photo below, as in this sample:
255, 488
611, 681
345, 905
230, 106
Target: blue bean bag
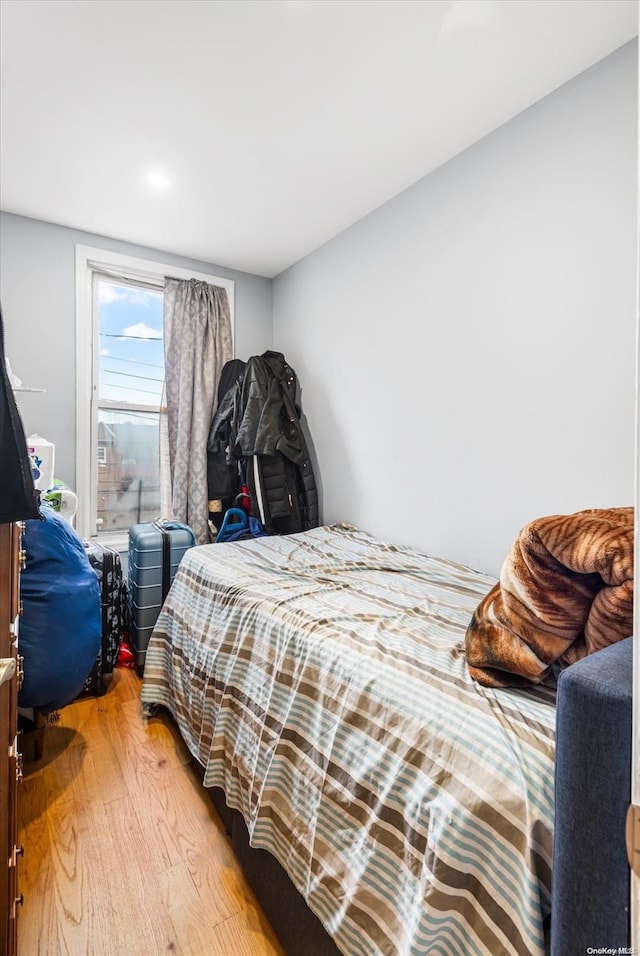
59, 631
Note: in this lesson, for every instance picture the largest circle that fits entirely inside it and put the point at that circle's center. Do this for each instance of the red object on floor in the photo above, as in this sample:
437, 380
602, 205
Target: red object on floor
126, 656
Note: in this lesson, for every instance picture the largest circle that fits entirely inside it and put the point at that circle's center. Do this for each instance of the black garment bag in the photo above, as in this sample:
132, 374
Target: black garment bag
19, 500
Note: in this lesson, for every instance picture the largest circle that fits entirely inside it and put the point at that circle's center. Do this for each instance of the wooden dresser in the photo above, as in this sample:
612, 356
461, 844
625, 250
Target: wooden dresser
10, 759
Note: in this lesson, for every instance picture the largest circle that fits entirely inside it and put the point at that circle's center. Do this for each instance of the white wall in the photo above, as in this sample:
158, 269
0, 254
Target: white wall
37, 291
467, 350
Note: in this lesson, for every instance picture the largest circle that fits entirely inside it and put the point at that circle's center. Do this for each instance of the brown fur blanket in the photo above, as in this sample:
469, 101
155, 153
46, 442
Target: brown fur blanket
565, 591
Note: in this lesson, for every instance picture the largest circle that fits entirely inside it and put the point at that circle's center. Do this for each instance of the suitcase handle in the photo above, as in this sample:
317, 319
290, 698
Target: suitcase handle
164, 527
170, 525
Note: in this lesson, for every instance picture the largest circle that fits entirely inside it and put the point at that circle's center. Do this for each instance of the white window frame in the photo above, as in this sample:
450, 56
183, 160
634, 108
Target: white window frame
89, 260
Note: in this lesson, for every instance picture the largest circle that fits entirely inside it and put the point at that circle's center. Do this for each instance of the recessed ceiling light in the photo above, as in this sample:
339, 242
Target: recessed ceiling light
158, 180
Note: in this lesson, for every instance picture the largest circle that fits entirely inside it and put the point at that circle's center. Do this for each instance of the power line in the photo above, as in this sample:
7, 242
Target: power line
116, 358
130, 388
128, 414
130, 338
141, 378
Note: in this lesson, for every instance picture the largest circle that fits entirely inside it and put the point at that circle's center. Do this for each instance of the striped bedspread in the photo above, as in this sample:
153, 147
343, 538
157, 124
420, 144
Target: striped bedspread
320, 679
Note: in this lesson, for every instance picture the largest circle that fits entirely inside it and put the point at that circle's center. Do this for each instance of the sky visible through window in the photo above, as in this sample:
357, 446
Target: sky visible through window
131, 349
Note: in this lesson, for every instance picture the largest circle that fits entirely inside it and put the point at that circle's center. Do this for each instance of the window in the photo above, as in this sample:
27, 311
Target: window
120, 372
130, 376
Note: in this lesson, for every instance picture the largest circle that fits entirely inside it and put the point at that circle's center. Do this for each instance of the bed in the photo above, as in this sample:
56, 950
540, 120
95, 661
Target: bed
319, 679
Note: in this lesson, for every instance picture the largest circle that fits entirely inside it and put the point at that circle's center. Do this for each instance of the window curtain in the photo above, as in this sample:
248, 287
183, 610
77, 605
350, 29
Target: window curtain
197, 343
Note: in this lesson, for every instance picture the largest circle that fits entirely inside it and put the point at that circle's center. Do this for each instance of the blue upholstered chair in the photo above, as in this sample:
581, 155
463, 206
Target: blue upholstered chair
590, 902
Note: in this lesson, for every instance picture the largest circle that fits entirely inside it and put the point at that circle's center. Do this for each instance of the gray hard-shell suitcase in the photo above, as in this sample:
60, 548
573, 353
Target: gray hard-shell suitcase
155, 551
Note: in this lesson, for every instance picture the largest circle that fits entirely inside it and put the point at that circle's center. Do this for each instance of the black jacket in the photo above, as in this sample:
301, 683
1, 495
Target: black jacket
18, 498
223, 478
257, 432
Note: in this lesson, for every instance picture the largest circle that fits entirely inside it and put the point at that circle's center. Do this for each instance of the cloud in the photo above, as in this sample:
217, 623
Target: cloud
141, 331
109, 293
104, 351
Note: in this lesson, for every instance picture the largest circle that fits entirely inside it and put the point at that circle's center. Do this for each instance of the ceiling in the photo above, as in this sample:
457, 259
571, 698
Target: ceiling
278, 123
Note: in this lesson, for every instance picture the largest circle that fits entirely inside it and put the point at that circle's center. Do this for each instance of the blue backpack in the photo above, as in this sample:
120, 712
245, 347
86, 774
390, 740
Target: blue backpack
60, 629
236, 525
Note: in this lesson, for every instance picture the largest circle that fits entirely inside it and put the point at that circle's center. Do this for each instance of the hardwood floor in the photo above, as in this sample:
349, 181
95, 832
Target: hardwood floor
124, 853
